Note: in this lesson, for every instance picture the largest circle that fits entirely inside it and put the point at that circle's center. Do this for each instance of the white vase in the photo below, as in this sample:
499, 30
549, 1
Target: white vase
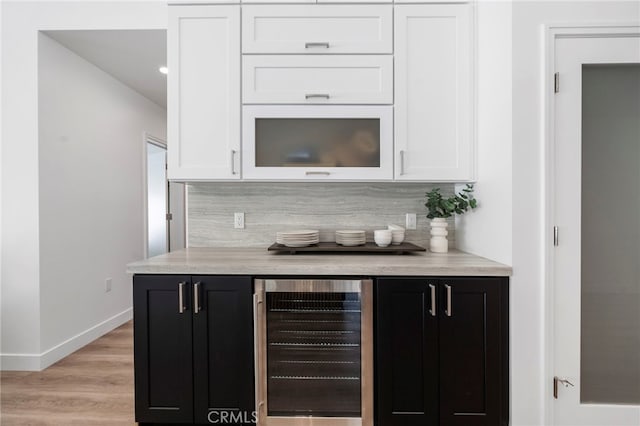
439, 243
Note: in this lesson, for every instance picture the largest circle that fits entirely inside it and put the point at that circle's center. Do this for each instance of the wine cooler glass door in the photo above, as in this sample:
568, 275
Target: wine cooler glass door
313, 346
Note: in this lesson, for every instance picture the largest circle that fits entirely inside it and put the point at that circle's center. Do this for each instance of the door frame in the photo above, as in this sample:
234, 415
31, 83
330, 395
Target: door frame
146, 139
553, 32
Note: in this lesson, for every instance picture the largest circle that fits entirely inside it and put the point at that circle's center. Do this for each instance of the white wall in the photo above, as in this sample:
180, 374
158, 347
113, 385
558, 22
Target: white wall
487, 230
531, 382
91, 195
1, 149
23, 341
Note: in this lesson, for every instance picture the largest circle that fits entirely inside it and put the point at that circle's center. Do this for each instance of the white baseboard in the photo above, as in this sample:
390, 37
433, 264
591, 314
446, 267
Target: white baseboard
38, 362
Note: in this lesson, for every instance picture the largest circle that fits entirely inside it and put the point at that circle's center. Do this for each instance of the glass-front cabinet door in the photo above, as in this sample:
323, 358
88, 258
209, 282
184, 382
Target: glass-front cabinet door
317, 142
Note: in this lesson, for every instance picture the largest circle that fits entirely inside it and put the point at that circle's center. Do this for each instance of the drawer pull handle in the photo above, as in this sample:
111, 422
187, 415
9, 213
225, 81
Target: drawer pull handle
196, 298
317, 173
181, 307
233, 161
316, 95
432, 310
315, 44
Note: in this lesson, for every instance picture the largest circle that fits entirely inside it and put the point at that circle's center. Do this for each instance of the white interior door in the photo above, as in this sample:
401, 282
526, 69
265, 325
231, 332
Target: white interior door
596, 263
157, 230
177, 210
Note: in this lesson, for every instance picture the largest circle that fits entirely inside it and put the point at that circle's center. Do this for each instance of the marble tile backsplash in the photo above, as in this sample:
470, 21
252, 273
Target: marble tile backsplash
272, 207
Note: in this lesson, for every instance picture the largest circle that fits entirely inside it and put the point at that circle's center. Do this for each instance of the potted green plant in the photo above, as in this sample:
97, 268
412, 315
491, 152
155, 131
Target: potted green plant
440, 208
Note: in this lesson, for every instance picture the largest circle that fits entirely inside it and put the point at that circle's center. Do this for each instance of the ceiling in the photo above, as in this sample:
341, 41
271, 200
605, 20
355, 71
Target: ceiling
131, 56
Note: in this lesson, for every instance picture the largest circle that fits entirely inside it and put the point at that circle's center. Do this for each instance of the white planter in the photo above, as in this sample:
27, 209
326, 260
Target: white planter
439, 243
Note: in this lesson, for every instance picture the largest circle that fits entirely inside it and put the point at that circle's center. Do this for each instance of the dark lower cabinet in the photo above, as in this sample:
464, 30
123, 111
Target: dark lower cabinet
163, 351
193, 348
223, 348
442, 351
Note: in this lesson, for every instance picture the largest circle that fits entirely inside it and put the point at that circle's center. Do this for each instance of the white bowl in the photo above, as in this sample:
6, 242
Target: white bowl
386, 233
382, 243
397, 238
382, 237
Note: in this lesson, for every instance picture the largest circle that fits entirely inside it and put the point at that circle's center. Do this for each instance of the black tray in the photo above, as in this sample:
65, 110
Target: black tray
331, 247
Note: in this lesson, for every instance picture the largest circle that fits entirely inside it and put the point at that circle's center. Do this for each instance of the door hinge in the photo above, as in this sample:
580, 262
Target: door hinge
558, 381
555, 236
169, 216
556, 82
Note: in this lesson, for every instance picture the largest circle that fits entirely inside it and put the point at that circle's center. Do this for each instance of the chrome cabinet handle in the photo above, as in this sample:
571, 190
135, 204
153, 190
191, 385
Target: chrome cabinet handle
432, 310
196, 298
233, 161
181, 307
316, 44
448, 311
316, 95
317, 173
401, 162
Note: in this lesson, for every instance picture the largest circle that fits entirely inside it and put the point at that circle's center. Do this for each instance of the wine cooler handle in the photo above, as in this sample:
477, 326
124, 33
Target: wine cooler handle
259, 318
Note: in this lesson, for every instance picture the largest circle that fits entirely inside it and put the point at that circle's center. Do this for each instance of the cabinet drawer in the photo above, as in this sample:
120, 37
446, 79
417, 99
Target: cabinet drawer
317, 29
317, 79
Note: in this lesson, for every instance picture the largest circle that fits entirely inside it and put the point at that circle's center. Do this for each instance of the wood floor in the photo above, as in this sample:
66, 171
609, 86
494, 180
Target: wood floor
93, 386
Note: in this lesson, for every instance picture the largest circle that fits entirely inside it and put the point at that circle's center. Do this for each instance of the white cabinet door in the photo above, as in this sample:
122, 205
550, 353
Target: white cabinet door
433, 93
317, 142
314, 79
204, 92
317, 29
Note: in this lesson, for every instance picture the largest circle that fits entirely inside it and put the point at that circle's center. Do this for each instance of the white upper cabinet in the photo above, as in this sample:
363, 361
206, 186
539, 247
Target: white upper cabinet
321, 91
317, 29
317, 142
433, 93
317, 79
204, 92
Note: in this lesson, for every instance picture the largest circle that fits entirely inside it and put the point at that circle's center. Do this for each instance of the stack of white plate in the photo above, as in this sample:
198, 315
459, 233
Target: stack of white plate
301, 238
350, 238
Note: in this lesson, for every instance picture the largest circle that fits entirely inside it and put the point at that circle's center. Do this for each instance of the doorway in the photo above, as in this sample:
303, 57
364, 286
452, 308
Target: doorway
165, 203
594, 257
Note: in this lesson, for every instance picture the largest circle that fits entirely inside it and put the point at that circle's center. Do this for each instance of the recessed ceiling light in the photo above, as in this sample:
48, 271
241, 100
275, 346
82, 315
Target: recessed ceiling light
164, 70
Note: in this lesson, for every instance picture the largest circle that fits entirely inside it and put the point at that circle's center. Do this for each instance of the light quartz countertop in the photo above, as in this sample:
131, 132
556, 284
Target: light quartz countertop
260, 262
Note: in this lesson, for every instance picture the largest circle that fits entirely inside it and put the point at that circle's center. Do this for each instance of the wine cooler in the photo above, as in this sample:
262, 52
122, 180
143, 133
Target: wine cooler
314, 352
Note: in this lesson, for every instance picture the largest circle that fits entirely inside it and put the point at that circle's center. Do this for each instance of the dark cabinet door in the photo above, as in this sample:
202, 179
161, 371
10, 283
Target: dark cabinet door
223, 349
473, 352
406, 353
163, 349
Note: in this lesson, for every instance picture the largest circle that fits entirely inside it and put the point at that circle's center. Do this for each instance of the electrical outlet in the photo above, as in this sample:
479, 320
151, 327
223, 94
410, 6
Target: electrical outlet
107, 285
411, 221
238, 220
